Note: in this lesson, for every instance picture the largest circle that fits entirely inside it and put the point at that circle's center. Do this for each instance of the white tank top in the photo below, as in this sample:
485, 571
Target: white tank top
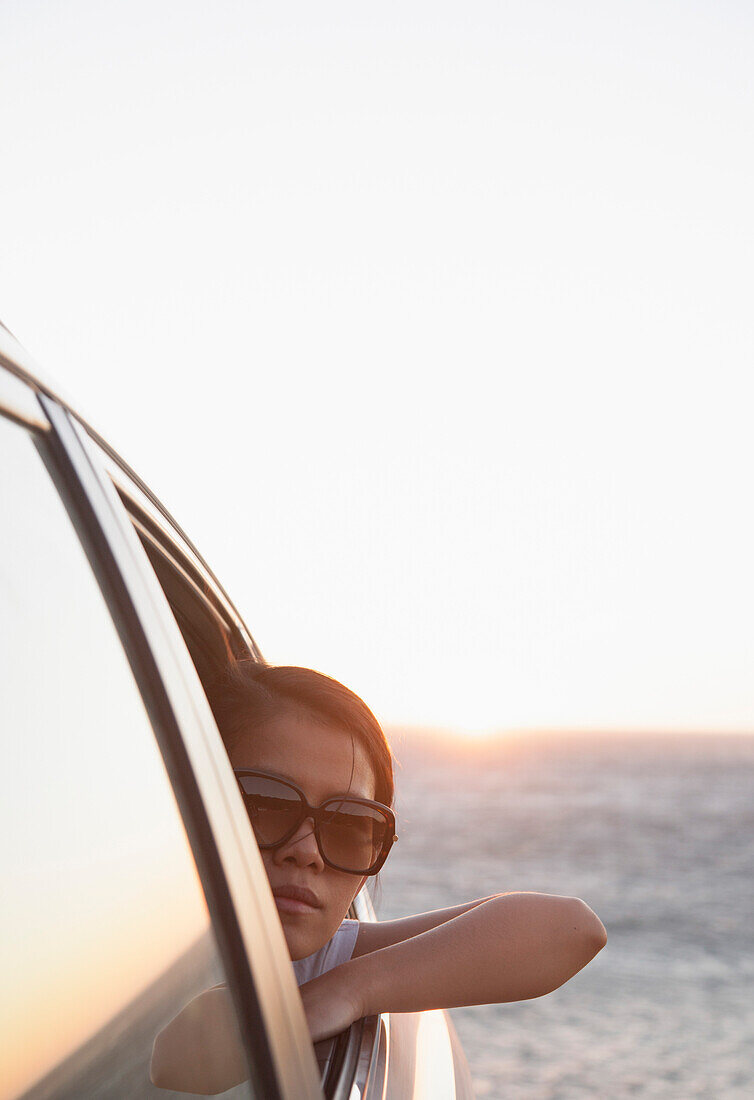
336, 951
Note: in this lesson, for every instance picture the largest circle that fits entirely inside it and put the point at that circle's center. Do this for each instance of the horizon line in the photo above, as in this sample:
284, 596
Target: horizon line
454, 732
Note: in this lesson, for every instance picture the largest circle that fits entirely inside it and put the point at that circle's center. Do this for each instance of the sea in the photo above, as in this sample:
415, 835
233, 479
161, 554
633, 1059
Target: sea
656, 834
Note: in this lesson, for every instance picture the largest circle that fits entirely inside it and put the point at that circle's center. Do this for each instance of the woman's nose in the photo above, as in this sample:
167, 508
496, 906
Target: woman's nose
302, 848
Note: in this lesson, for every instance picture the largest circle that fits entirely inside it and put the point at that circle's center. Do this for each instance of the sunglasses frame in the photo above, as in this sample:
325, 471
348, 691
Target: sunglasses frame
316, 813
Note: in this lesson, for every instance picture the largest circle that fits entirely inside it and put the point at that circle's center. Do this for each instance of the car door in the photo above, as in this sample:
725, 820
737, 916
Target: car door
130, 884
176, 629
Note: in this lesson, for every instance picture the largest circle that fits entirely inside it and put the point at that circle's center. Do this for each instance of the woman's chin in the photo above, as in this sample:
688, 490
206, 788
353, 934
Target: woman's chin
299, 946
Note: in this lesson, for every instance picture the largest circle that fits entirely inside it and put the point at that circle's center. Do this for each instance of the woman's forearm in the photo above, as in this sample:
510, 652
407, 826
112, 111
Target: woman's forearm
510, 948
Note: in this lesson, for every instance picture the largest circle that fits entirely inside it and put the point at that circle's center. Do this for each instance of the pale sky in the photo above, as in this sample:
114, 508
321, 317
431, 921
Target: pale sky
430, 322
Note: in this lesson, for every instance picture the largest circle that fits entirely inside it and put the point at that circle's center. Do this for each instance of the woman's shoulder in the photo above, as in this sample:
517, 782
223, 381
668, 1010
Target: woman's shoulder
337, 950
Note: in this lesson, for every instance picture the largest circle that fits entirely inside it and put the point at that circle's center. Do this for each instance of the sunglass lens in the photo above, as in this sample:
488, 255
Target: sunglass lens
274, 809
352, 835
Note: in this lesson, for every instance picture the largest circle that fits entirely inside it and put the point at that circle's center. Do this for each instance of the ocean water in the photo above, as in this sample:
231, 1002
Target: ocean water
656, 833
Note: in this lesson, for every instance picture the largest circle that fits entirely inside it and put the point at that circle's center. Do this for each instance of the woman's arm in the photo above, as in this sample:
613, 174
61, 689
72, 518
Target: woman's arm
374, 935
510, 947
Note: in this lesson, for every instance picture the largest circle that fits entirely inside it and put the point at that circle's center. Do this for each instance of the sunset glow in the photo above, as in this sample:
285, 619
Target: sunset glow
431, 325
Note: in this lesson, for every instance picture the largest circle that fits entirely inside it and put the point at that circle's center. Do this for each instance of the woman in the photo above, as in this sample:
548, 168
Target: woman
316, 774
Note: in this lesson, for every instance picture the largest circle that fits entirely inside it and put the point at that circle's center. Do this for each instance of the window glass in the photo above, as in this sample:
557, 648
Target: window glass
104, 929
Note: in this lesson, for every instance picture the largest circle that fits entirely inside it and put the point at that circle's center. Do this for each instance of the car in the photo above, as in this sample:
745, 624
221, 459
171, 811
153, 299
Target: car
132, 879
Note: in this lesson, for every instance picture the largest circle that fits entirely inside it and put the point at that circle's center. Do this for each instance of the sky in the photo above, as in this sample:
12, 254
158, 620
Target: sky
430, 323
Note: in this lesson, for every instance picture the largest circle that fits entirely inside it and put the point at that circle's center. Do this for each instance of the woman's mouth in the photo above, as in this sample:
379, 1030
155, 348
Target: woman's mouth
295, 899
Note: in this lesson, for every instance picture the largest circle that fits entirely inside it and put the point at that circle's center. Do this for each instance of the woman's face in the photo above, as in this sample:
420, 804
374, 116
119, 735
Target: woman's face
323, 761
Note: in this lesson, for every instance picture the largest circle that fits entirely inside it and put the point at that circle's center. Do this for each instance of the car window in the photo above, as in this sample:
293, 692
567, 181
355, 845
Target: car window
104, 927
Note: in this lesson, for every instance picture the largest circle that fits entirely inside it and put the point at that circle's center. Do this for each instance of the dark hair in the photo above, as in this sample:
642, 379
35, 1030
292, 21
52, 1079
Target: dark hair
250, 694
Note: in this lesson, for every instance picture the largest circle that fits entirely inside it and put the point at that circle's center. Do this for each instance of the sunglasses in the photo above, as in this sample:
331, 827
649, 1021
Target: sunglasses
353, 835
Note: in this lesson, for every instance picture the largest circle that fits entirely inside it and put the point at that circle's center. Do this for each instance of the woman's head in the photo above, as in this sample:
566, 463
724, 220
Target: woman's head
309, 729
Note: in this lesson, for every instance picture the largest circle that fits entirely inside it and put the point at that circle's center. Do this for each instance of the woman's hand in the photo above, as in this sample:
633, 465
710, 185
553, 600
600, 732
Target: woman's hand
332, 1002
